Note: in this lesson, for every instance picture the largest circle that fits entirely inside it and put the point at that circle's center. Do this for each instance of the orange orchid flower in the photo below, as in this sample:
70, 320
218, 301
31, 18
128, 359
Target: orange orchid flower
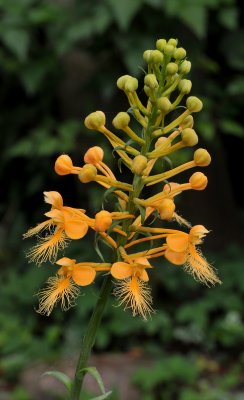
63, 223
181, 250
132, 289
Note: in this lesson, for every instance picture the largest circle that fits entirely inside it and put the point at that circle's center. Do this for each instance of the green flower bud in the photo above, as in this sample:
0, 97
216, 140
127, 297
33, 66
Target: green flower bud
160, 44
194, 104
179, 53
147, 90
156, 57
147, 56
188, 122
121, 120
173, 42
131, 84
150, 80
171, 68
139, 163
202, 158
121, 82
185, 86
169, 50
95, 120
164, 104
189, 137
185, 67
87, 173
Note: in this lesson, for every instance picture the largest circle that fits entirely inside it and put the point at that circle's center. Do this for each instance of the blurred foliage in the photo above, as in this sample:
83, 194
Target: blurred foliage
59, 60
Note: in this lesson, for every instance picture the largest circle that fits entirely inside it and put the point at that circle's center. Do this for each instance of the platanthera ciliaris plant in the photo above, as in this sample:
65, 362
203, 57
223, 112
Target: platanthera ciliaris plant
162, 128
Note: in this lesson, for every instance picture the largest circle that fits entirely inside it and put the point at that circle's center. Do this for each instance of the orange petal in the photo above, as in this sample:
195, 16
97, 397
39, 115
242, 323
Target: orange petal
56, 215
75, 228
66, 262
178, 241
144, 276
53, 198
121, 270
83, 275
176, 257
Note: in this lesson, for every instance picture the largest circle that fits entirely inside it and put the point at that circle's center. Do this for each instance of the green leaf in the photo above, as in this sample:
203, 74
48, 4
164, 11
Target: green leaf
236, 87
103, 396
231, 127
96, 247
228, 17
61, 377
17, 40
142, 213
108, 192
94, 372
195, 17
124, 11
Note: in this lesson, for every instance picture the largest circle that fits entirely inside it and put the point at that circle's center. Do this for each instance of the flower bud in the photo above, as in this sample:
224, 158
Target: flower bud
185, 67
121, 120
150, 80
171, 68
198, 181
185, 86
202, 158
94, 155
63, 165
194, 104
95, 120
166, 209
131, 84
173, 42
121, 82
156, 57
169, 50
188, 122
139, 163
189, 137
87, 173
179, 53
160, 44
147, 56
163, 143
103, 221
147, 90
164, 104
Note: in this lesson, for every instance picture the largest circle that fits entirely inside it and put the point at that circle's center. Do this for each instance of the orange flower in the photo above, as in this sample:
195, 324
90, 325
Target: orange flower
181, 249
63, 223
132, 289
63, 286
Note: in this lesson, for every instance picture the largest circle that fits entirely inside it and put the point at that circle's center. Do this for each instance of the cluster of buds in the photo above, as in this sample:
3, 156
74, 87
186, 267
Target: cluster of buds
162, 129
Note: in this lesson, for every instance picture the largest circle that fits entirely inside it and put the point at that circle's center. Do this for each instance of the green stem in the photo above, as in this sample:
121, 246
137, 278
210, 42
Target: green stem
89, 338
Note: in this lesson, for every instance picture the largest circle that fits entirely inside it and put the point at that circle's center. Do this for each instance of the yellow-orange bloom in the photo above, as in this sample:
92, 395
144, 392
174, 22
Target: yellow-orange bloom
132, 289
63, 223
181, 250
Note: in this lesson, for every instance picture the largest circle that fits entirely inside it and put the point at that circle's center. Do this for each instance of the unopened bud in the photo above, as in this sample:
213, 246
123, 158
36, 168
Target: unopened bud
179, 53
164, 104
189, 137
121, 120
121, 81
103, 221
198, 181
156, 57
131, 84
63, 165
95, 120
87, 173
163, 143
150, 80
173, 42
166, 209
94, 155
139, 163
194, 104
147, 56
185, 67
188, 122
160, 44
185, 86
171, 68
169, 50
202, 158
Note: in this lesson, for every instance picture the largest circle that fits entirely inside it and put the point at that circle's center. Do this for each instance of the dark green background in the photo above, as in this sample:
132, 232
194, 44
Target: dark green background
59, 61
